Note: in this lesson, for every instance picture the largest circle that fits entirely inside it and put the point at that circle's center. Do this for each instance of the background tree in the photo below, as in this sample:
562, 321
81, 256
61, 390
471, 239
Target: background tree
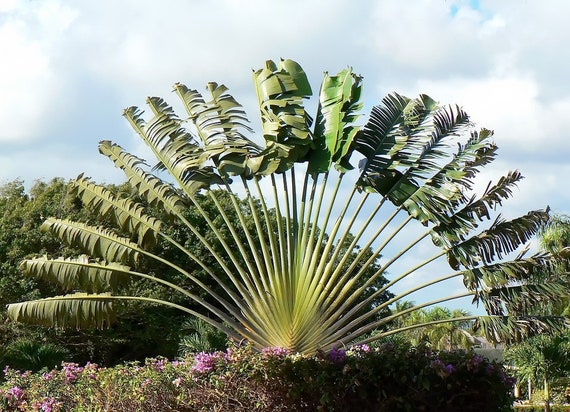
289, 285
144, 331
543, 360
554, 238
428, 326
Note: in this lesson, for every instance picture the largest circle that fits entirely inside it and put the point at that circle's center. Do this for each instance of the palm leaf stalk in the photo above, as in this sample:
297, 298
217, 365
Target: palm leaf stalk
282, 265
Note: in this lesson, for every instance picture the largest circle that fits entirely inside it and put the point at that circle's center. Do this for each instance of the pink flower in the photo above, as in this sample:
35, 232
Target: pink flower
276, 351
16, 392
205, 362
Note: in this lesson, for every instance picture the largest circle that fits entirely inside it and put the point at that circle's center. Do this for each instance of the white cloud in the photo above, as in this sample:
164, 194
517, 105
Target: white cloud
68, 68
27, 77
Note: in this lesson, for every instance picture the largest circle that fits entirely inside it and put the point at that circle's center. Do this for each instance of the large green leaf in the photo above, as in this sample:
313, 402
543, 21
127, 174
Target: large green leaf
474, 210
509, 329
502, 238
78, 310
280, 91
149, 187
335, 126
173, 146
78, 273
504, 273
95, 241
129, 216
218, 124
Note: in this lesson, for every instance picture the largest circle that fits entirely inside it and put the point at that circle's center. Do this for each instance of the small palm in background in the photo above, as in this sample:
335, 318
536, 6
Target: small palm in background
199, 336
30, 355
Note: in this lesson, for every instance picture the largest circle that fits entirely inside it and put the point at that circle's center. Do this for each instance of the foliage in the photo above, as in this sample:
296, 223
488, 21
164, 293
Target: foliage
286, 232
26, 354
387, 378
435, 333
200, 336
540, 408
542, 359
554, 238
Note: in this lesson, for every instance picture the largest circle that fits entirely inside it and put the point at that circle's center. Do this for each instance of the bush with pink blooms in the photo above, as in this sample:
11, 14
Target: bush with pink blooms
386, 378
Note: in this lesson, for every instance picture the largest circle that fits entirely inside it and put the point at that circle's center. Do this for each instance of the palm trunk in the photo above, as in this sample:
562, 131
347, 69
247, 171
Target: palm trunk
546, 396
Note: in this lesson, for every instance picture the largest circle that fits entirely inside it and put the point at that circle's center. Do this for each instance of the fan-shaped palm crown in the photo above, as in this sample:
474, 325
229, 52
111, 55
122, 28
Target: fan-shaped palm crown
298, 279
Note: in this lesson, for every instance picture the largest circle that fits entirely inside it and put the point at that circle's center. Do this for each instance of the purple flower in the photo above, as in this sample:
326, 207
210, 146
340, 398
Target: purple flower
48, 405
441, 368
205, 362
276, 351
474, 362
70, 371
337, 355
16, 392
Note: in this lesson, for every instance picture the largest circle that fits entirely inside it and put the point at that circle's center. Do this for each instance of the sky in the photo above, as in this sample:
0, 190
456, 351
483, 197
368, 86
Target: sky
69, 68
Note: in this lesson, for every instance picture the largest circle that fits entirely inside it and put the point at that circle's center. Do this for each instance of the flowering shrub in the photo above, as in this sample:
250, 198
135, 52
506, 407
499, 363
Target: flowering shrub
388, 378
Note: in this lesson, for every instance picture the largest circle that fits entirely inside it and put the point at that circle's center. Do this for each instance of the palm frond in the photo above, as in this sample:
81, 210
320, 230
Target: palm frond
153, 190
526, 298
502, 238
510, 329
95, 241
173, 146
218, 123
127, 215
78, 273
474, 210
78, 310
280, 90
503, 273
335, 129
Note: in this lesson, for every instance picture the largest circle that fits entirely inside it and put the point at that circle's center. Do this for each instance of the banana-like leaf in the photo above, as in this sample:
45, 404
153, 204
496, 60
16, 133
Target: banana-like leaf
78, 310
173, 146
78, 273
504, 273
502, 238
147, 186
218, 123
510, 329
280, 91
409, 171
378, 140
525, 298
466, 219
443, 192
95, 241
129, 216
335, 126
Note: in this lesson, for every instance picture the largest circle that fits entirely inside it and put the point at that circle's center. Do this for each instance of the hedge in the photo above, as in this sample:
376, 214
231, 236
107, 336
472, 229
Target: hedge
387, 378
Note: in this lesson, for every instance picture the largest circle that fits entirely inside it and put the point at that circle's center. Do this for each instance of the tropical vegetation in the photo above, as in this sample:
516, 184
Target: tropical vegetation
386, 378
542, 360
290, 215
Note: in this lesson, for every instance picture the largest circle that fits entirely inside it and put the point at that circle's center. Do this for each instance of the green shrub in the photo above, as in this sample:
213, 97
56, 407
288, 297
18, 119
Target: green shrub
387, 378
540, 408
